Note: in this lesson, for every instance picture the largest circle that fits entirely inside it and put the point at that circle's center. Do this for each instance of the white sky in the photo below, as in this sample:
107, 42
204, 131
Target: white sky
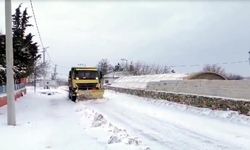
169, 33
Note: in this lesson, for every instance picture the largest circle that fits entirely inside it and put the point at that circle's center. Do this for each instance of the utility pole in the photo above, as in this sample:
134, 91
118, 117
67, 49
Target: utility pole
249, 57
55, 73
44, 50
35, 80
44, 75
44, 64
11, 114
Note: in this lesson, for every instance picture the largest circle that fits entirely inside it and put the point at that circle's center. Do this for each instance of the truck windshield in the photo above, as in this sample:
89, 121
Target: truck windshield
86, 75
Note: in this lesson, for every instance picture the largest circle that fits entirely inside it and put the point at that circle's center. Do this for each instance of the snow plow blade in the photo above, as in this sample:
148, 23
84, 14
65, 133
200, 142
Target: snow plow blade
90, 94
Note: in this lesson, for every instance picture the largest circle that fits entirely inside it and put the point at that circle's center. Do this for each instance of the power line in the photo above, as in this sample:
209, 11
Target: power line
50, 60
173, 66
36, 24
219, 63
40, 37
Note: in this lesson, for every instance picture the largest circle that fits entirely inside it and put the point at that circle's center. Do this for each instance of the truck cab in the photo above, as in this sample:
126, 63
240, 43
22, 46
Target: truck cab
85, 83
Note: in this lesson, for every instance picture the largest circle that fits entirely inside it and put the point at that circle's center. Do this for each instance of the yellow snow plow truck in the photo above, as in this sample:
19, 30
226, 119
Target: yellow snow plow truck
85, 83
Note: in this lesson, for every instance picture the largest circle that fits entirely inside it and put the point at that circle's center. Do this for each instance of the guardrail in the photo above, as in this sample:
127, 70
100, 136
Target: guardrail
17, 87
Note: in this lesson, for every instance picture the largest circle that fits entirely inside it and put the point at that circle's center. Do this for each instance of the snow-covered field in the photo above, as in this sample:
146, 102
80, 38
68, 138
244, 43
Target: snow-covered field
47, 120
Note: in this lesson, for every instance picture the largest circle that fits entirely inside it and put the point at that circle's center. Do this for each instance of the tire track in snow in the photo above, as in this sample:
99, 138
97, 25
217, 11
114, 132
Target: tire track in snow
168, 136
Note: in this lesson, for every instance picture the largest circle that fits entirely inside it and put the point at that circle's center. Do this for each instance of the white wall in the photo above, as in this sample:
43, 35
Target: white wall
223, 88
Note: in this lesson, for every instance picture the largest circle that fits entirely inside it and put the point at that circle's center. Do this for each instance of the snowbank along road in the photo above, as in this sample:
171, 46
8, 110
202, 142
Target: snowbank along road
165, 125
47, 120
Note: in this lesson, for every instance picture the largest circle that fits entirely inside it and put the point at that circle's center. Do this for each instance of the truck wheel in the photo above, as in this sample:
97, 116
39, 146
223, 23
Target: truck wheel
69, 95
73, 98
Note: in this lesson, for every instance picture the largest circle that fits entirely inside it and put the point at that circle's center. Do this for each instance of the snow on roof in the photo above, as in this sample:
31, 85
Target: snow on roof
141, 81
116, 74
156, 77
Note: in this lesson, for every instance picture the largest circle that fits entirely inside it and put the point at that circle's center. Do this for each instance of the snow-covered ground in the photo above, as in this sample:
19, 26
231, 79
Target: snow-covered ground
164, 125
47, 120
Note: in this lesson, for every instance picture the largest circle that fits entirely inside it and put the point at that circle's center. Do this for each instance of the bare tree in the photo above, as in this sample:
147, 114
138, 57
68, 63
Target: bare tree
110, 68
234, 77
140, 68
41, 69
214, 68
104, 66
221, 71
137, 68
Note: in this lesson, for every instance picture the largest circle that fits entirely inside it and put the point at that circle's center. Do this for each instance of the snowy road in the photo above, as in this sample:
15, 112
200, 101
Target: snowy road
119, 121
47, 120
175, 127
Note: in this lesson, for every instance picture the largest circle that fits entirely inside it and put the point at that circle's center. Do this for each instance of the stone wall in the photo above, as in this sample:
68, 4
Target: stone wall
239, 89
242, 106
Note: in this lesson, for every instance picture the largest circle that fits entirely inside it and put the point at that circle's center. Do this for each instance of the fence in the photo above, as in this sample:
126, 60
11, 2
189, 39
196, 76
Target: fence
17, 87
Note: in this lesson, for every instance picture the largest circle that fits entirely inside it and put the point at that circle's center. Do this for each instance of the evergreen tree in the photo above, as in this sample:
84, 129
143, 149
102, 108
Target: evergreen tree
25, 50
2, 59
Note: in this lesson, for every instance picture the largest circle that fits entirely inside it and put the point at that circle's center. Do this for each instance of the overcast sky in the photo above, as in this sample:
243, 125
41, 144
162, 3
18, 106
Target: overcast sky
167, 33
